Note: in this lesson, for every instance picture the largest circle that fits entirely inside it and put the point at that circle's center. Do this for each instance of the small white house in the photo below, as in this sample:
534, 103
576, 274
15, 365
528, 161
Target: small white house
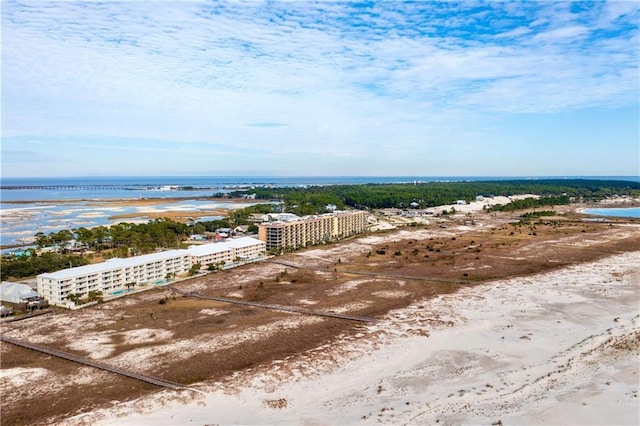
16, 292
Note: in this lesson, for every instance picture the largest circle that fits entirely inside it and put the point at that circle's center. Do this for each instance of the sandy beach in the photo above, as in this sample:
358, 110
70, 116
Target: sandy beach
481, 321
558, 348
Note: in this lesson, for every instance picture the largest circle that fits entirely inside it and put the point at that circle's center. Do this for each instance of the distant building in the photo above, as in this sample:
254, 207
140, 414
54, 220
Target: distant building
241, 228
21, 296
300, 232
258, 217
283, 217
225, 232
390, 211
16, 292
245, 248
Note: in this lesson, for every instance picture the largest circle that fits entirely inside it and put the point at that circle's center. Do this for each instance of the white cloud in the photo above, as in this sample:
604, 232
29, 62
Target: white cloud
327, 78
562, 34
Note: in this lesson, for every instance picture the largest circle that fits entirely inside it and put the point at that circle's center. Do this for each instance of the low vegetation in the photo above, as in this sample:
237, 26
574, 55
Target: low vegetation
531, 202
218, 341
314, 199
129, 239
30, 263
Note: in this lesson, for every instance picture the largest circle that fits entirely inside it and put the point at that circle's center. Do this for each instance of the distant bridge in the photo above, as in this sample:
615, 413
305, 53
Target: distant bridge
74, 187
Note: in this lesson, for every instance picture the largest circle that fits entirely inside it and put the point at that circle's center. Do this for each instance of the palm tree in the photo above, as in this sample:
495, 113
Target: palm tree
95, 296
195, 268
75, 298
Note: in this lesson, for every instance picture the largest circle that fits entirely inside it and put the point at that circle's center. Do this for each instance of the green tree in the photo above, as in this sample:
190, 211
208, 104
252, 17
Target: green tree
61, 238
195, 269
85, 237
43, 240
75, 298
95, 296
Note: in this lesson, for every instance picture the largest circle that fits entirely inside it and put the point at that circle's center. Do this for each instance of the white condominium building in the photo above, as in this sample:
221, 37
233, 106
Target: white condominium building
245, 248
291, 234
113, 275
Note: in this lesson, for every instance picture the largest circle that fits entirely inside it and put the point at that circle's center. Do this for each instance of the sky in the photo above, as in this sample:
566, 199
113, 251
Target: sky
329, 88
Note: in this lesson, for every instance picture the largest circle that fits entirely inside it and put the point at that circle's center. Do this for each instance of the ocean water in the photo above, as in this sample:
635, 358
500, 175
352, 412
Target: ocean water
633, 212
92, 188
20, 222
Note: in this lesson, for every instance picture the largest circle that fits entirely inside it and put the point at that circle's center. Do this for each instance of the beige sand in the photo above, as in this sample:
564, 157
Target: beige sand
555, 348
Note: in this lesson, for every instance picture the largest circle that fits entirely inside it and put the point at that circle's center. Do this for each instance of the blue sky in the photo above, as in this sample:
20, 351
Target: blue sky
320, 88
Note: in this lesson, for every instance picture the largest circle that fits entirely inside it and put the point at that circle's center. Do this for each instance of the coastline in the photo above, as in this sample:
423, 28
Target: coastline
54, 215
25, 218
289, 381
557, 347
126, 201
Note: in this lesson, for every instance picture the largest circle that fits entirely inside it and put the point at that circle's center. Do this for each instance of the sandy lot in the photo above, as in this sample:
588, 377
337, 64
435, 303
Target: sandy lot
555, 348
476, 324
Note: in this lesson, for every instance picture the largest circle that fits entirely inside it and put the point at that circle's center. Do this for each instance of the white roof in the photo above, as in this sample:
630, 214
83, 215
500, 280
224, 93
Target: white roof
116, 263
206, 249
243, 242
211, 248
15, 292
284, 216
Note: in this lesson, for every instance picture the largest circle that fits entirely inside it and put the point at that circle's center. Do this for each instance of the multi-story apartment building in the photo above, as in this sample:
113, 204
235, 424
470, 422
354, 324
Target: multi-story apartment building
112, 275
115, 274
245, 248
292, 234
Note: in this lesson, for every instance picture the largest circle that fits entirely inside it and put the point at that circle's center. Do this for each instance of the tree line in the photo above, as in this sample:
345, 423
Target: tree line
30, 263
314, 199
140, 238
529, 203
127, 239
118, 240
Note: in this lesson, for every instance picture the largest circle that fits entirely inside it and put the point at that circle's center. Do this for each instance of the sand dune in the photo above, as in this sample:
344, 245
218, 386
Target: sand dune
555, 348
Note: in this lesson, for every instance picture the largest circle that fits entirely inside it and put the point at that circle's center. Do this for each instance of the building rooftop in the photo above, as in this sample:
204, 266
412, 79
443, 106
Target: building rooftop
243, 242
297, 219
205, 249
115, 263
285, 217
15, 292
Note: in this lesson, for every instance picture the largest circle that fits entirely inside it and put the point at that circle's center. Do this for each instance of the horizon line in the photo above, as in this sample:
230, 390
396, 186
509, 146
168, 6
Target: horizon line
323, 176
